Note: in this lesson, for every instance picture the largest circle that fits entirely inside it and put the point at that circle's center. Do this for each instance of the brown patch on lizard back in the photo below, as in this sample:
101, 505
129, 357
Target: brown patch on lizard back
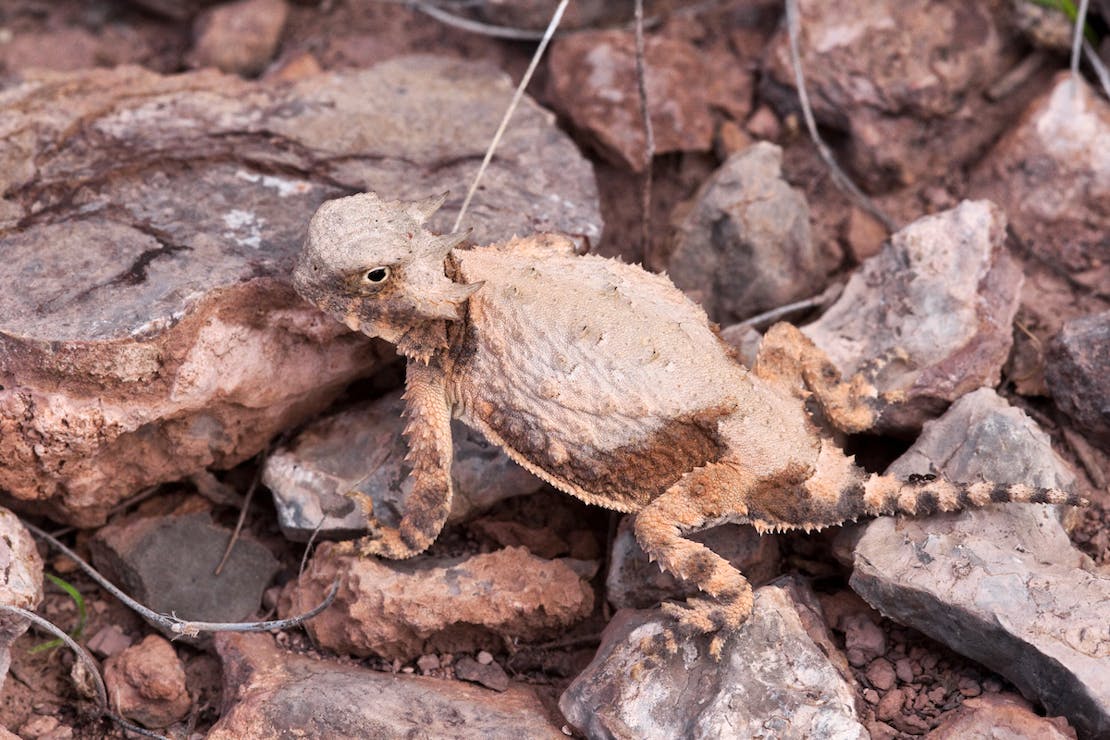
624, 478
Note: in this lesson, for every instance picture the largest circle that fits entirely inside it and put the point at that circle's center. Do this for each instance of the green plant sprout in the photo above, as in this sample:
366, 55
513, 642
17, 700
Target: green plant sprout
82, 614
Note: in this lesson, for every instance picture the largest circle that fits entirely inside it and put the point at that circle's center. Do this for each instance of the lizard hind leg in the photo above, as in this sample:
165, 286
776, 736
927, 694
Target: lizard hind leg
698, 499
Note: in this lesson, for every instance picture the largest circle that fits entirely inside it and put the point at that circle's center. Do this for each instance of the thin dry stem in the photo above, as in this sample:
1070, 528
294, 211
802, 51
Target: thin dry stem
1077, 38
839, 176
87, 661
649, 131
558, 16
767, 318
170, 622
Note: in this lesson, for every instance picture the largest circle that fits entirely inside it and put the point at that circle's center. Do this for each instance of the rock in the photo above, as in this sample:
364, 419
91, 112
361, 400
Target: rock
20, 582
45, 727
999, 717
149, 330
146, 683
880, 674
759, 688
864, 640
1051, 174
403, 609
74, 47
108, 641
745, 340
864, 235
593, 83
310, 476
1077, 371
893, 73
633, 582
167, 563
944, 291
239, 37
1002, 585
745, 245
267, 691
490, 675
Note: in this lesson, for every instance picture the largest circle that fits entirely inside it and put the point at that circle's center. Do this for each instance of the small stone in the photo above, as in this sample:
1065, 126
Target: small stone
943, 291
910, 724
428, 663
871, 696
755, 689
402, 609
903, 668
1077, 371
147, 683
865, 235
108, 641
992, 685
764, 125
969, 687
168, 563
593, 83
937, 695
490, 675
880, 674
745, 246
268, 691
890, 705
45, 727
863, 638
731, 139
239, 37
484, 657
20, 582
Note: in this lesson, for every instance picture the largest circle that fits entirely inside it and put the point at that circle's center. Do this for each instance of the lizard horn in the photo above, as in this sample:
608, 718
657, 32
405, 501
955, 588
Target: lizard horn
422, 210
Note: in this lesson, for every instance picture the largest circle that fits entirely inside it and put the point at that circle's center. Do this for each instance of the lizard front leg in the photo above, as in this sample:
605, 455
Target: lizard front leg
428, 434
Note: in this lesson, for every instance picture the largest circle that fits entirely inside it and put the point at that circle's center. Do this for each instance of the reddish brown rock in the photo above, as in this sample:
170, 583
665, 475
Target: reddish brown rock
147, 228
20, 582
146, 683
996, 717
904, 79
363, 445
593, 82
943, 292
268, 691
239, 37
1051, 174
405, 609
1077, 371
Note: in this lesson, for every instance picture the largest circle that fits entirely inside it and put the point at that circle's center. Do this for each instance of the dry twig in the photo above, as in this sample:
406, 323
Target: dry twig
839, 176
87, 662
649, 131
558, 16
172, 623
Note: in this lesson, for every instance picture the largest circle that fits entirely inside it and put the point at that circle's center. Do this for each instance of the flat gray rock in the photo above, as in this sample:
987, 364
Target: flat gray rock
364, 445
1001, 585
269, 693
167, 563
944, 291
780, 676
148, 226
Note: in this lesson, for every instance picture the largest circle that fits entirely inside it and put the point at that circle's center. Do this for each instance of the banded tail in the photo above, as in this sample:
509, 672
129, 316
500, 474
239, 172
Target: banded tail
927, 494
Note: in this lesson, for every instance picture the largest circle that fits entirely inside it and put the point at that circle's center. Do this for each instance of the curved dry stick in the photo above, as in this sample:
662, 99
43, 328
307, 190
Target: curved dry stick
171, 622
839, 176
649, 130
90, 666
558, 16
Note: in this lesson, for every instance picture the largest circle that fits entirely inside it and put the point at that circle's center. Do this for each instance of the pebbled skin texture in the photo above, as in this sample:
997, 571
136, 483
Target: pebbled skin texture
607, 382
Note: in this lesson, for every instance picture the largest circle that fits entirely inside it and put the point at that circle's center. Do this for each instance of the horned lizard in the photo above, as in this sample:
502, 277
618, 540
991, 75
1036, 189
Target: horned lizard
607, 382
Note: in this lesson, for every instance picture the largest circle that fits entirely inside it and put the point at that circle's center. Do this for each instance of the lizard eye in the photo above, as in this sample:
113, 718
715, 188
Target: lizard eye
378, 275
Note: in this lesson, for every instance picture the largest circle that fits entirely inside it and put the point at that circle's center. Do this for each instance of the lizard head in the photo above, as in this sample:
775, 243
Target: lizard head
371, 264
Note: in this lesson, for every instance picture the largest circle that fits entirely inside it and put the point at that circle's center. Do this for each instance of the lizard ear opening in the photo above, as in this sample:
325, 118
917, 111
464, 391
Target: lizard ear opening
422, 210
